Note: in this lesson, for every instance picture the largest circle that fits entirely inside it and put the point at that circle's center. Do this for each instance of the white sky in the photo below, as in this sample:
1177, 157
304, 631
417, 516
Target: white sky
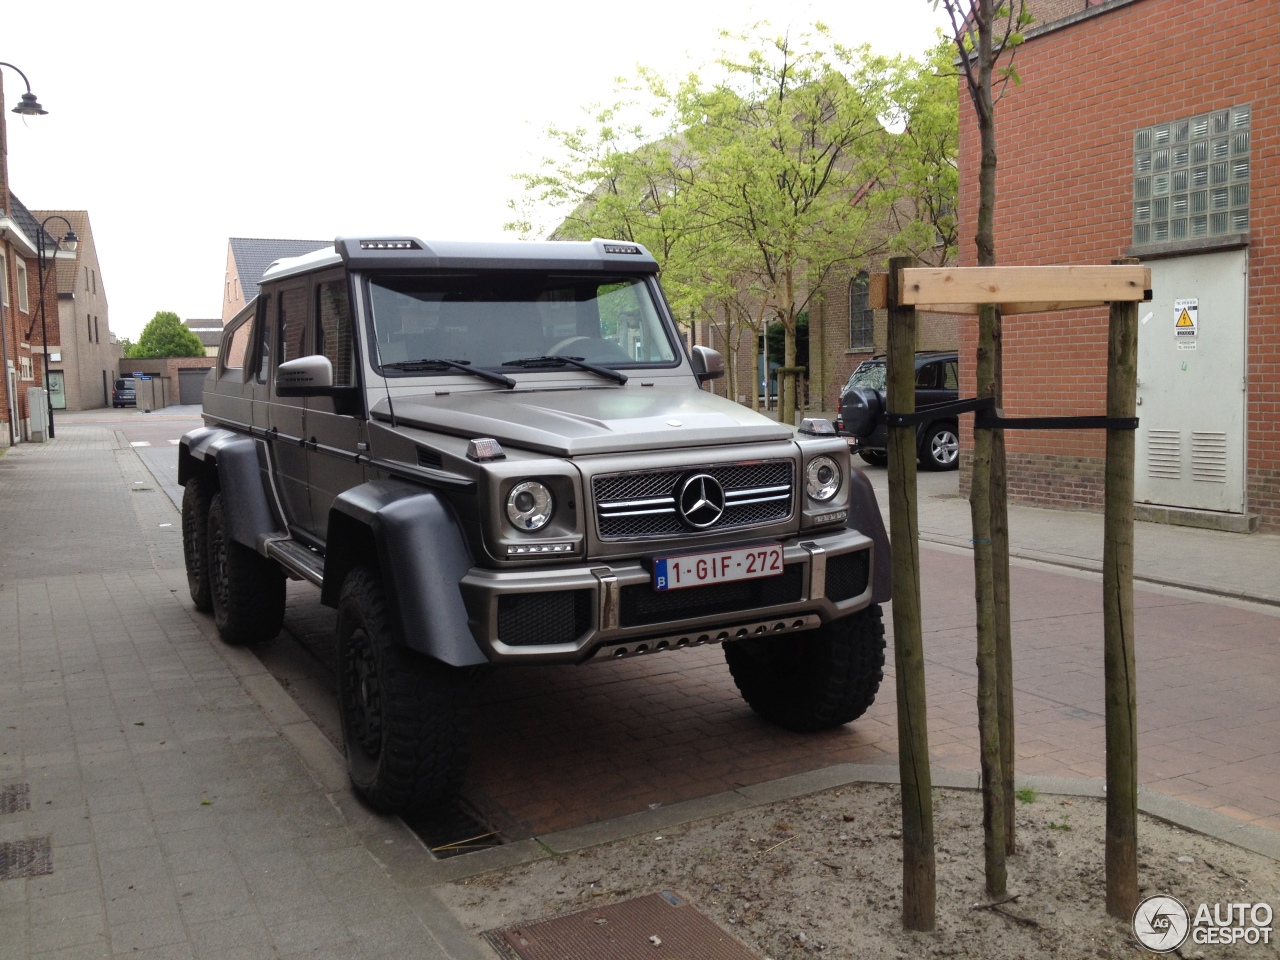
179, 125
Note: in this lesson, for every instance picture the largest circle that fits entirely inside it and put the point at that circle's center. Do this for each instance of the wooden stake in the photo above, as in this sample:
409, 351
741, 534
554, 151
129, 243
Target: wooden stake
918, 867
993, 807
1117, 614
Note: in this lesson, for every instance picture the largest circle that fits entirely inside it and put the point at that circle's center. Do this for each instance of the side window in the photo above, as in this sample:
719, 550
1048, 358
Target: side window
264, 338
293, 323
951, 379
333, 330
927, 376
236, 347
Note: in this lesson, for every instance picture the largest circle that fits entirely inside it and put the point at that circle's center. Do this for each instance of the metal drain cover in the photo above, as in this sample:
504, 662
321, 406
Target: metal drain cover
15, 798
660, 926
26, 858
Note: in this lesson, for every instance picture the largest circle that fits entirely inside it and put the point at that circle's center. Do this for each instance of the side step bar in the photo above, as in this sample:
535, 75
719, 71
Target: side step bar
299, 561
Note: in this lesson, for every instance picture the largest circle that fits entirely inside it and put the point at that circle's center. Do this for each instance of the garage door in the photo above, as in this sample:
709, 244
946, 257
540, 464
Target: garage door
191, 386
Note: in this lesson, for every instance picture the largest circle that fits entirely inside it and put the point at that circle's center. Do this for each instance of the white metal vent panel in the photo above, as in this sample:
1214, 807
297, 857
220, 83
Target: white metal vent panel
1209, 456
1164, 454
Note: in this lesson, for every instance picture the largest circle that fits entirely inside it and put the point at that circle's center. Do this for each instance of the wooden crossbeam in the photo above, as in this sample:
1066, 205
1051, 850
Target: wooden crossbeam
1023, 289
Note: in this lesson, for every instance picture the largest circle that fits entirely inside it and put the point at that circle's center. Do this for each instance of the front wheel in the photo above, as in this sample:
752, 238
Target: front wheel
813, 681
940, 449
246, 589
405, 718
195, 526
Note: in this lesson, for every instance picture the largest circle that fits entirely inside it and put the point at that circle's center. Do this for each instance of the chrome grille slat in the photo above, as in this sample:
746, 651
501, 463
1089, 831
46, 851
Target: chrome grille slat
631, 506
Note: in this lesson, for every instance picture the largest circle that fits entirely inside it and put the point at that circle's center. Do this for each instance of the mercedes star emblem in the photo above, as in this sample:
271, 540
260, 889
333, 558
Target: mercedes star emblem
701, 501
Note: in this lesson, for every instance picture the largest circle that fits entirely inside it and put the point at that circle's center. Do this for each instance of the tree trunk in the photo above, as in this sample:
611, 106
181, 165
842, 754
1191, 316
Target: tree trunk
918, 867
1117, 612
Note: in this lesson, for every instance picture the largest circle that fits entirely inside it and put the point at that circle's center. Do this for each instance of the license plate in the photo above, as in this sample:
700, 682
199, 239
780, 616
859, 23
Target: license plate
717, 566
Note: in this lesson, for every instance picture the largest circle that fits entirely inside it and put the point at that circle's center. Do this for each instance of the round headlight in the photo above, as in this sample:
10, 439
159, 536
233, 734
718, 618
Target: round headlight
529, 505
822, 478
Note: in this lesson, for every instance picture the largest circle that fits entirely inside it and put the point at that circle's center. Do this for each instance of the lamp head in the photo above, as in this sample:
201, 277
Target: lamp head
30, 106
70, 242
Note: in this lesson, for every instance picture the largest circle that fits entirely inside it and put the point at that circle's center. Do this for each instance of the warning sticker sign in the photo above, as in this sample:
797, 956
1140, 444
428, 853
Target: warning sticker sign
1186, 317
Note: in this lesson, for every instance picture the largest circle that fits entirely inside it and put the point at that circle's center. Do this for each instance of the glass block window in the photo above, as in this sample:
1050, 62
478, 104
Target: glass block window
1191, 178
862, 327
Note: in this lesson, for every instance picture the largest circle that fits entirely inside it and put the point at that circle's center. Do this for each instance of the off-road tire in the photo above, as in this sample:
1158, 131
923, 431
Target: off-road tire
940, 447
246, 590
874, 457
195, 526
405, 717
816, 680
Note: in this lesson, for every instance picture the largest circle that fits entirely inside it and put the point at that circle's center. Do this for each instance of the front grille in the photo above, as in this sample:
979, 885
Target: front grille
537, 619
641, 605
638, 505
847, 575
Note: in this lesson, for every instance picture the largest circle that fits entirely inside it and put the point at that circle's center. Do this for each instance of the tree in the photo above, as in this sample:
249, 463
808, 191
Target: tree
985, 30
750, 190
166, 336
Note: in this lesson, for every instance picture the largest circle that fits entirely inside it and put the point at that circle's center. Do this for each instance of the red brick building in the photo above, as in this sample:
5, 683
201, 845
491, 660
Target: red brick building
1146, 128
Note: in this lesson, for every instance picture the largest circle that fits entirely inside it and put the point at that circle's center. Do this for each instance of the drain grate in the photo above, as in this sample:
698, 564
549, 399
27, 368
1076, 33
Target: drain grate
15, 798
26, 858
660, 926
452, 830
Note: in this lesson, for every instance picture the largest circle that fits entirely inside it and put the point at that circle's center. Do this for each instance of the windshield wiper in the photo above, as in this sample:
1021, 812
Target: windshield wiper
463, 365
578, 362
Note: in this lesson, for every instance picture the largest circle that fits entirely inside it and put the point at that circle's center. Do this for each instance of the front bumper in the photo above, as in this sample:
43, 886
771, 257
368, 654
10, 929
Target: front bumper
572, 614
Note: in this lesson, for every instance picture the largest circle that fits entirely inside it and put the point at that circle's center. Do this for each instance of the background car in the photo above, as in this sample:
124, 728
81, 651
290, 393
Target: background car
124, 393
863, 405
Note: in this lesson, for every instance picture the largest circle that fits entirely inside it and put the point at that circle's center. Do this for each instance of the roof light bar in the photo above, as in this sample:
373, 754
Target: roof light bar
388, 245
620, 248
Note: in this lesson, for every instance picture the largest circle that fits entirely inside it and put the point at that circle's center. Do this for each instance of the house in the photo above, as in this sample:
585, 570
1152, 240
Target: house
247, 261
1147, 129
209, 332
21, 332
84, 358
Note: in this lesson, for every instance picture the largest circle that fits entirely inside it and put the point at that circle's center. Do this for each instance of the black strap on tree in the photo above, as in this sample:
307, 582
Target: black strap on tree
987, 418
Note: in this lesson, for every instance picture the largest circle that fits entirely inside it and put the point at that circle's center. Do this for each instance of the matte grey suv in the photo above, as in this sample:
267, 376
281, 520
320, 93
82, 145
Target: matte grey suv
496, 454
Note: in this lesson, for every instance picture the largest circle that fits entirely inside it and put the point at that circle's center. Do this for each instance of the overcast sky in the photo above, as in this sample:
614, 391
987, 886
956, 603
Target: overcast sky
179, 125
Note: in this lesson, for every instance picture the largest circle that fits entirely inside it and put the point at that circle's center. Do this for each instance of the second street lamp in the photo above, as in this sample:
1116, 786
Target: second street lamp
68, 243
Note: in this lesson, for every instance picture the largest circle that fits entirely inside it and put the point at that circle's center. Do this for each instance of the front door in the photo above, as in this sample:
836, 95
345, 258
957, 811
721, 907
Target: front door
1191, 383
287, 416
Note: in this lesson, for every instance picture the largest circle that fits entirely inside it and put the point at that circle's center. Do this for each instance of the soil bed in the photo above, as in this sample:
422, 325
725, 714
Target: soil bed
821, 876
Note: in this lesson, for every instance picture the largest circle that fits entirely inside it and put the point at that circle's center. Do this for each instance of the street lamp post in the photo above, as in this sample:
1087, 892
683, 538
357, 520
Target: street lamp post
68, 243
28, 107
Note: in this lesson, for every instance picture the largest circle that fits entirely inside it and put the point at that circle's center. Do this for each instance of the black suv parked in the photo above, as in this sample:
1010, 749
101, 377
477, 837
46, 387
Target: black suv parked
863, 406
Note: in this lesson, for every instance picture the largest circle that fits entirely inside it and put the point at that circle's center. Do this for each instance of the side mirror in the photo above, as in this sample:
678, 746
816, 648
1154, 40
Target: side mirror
305, 377
707, 364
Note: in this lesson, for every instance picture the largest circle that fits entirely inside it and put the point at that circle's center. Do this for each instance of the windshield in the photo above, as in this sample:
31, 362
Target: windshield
870, 373
487, 319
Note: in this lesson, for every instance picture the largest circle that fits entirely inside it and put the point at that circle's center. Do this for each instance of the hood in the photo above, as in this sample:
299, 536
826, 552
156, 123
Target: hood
570, 423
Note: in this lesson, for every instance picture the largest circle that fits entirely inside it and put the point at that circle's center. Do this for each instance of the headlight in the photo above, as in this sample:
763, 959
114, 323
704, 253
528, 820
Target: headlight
529, 506
822, 479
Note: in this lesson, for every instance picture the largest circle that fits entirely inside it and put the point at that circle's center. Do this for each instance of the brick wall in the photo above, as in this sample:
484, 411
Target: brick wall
1064, 195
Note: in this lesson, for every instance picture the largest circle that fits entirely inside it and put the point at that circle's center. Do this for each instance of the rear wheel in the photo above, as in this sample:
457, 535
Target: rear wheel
940, 448
405, 717
813, 681
195, 526
246, 590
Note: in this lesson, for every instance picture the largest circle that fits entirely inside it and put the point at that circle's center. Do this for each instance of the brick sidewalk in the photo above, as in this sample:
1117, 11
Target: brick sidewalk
167, 815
